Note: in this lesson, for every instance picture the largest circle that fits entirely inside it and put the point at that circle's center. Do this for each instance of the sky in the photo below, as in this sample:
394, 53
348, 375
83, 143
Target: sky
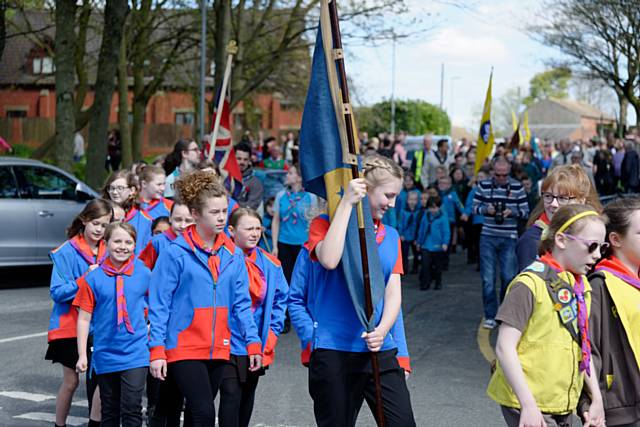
469, 40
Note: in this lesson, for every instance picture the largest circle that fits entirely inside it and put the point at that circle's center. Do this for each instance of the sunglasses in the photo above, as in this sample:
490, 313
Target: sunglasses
592, 245
501, 175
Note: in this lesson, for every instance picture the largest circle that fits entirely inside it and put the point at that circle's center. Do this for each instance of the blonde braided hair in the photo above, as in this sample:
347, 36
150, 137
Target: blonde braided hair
378, 168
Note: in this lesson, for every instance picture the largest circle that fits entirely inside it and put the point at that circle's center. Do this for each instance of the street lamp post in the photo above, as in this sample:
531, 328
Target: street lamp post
393, 86
203, 60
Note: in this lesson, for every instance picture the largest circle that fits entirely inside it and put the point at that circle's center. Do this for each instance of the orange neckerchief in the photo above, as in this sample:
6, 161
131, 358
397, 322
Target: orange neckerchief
614, 266
378, 226
257, 279
79, 243
195, 241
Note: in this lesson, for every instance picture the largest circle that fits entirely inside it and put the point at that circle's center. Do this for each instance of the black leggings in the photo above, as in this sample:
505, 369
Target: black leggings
338, 389
236, 400
168, 407
287, 254
121, 397
191, 375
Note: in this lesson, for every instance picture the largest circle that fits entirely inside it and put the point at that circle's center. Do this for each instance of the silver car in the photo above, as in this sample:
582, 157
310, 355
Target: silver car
37, 203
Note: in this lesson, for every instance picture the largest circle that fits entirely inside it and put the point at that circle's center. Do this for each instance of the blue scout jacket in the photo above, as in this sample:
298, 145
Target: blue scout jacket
191, 305
408, 225
267, 280
434, 232
70, 261
451, 203
141, 221
157, 208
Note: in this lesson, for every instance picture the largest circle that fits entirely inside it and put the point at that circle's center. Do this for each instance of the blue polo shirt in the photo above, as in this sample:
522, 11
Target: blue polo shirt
294, 210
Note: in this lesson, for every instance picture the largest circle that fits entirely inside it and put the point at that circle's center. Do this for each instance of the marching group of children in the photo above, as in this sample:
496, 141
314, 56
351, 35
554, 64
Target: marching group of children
178, 297
433, 222
196, 308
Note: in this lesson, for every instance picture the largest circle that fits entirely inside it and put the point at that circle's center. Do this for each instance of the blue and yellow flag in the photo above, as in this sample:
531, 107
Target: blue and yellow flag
485, 135
326, 165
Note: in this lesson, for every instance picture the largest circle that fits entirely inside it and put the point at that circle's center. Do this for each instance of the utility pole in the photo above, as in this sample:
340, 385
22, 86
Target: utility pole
442, 87
393, 86
203, 63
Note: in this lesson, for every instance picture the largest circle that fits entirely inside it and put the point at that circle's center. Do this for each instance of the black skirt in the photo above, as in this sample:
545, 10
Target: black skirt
63, 351
238, 367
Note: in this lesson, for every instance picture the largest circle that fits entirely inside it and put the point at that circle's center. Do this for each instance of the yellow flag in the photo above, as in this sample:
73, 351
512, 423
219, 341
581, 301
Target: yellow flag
525, 125
485, 135
516, 125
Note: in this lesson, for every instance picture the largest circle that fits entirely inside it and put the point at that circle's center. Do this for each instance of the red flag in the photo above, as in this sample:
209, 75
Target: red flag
225, 155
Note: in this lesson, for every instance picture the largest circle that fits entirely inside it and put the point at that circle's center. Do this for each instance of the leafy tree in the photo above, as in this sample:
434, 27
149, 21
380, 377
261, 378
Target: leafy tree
600, 40
553, 83
413, 116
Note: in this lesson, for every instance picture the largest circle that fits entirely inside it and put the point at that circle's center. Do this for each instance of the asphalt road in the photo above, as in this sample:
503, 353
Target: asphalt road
447, 385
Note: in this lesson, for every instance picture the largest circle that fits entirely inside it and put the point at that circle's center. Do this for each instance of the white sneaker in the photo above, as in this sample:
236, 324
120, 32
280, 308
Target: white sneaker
490, 324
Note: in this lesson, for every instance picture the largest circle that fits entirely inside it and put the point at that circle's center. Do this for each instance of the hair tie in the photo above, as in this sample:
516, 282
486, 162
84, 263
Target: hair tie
575, 218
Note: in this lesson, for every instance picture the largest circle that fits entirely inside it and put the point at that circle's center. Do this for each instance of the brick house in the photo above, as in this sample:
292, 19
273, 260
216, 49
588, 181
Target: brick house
28, 98
557, 119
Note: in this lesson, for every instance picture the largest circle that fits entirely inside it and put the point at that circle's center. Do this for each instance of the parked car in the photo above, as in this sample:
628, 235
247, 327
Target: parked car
37, 203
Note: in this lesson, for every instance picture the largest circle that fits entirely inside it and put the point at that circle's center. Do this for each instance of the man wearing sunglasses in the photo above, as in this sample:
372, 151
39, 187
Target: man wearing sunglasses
502, 201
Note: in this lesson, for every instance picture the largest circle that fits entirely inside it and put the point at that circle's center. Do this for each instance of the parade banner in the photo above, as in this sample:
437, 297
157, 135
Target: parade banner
224, 155
327, 167
485, 135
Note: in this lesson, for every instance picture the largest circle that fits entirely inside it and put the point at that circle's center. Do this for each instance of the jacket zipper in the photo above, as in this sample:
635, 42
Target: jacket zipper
213, 329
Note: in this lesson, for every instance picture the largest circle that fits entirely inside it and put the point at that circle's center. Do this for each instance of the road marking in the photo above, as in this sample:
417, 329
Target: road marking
23, 337
484, 343
32, 397
50, 418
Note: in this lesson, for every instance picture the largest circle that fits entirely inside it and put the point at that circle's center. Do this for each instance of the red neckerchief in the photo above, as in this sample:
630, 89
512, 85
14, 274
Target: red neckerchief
583, 318
378, 227
544, 218
129, 215
79, 243
121, 302
170, 234
195, 241
257, 279
614, 266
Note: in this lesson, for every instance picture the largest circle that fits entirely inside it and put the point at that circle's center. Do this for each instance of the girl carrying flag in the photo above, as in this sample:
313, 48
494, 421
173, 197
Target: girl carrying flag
340, 374
543, 348
122, 189
615, 316
113, 298
269, 292
200, 300
152, 185
83, 252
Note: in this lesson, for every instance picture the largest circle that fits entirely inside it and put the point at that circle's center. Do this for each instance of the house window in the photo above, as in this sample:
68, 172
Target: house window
43, 65
16, 114
185, 118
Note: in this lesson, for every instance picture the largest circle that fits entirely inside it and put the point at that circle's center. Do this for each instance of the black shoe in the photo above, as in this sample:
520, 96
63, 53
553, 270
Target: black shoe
437, 287
425, 288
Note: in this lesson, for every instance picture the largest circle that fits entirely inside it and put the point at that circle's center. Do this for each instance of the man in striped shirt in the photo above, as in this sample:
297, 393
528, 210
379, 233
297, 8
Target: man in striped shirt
502, 201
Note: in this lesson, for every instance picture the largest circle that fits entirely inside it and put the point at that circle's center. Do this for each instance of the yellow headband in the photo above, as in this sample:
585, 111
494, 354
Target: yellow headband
574, 219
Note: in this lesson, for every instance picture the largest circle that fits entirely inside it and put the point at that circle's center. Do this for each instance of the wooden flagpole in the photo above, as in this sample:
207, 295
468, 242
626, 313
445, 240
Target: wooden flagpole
338, 57
232, 49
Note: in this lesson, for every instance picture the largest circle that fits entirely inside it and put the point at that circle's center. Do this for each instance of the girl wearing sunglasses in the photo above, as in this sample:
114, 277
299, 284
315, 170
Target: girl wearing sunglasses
615, 315
543, 347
